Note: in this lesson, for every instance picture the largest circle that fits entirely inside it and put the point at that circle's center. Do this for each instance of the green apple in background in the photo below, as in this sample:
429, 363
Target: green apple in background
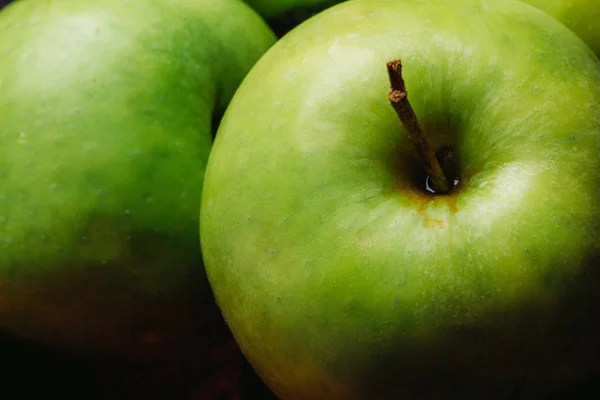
106, 113
581, 16
340, 276
272, 8
284, 15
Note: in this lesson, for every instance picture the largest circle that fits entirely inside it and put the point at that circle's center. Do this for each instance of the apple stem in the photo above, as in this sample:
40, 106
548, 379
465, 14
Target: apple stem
398, 98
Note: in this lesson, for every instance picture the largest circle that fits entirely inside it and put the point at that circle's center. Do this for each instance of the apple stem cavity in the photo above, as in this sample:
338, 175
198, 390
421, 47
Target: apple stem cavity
437, 182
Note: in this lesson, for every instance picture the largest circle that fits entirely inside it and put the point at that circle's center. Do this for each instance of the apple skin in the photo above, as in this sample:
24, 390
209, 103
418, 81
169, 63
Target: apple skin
340, 277
105, 129
581, 16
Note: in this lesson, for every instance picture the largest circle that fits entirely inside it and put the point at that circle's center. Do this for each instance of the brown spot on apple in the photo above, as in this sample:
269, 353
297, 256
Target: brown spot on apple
430, 222
415, 194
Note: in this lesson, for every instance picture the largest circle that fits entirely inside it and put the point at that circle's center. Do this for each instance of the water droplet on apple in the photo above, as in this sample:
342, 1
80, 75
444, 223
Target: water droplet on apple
427, 187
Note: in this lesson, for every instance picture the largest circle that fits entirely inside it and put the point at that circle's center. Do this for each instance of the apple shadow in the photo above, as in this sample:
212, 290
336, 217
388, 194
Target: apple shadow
34, 370
115, 355
285, 22
529, 352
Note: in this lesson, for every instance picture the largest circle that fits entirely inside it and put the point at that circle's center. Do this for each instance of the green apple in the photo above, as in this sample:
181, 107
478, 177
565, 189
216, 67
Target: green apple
340, 276
106, 113
581, 16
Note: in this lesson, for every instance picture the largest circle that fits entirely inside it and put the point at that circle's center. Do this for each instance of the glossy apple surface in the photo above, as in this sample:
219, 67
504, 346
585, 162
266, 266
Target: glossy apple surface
105, 129
342, 278
581, 16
